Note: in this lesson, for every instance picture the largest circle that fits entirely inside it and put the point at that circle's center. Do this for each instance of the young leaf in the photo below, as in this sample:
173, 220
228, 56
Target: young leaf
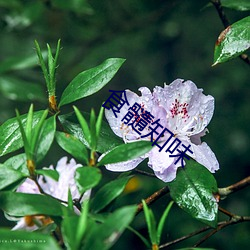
46, 138
16, 240
106, 234
233, 41
37, 131
99, 123
92, 126
150, 219
193, 191
126, 152
42, 63
82, 223
108, 193
90, 81
73, 146
84, 125
10, 136
107, 138
87, 177
31, 204
162, 221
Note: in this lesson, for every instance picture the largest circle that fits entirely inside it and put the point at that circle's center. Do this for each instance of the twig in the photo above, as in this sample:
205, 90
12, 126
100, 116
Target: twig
223, 192
226, 23
144, 173
152, 198
235, 220
224, 211
204, 229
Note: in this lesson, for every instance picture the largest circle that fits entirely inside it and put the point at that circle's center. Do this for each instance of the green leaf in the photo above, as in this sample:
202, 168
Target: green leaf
19, 90
90, 81
105, 235
233, 41
82, 223
16, 240
74, 228
20, 204
107, 139
108, 193
92, 127
162, 221
18, 162
73, 146
10, 136
53, 174
69, 230
46, 137
151, 223
241, 5
99, 123
193, 191
126, 152
8, 176
87, 177
84, 125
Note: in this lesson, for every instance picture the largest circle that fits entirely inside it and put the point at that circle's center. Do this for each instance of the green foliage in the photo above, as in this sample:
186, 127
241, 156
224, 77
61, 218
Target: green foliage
10, 136
154, 231
241, 5
233, 41
110, 230
90, 81
18, 90
30, 204
17, 240
126, 152
193, 190
9, 176
87, 178
73, 146
108, 193
50, 70
107, 139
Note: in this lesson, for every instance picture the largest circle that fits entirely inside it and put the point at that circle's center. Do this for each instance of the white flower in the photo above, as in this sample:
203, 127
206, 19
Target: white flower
58, 189
184, 110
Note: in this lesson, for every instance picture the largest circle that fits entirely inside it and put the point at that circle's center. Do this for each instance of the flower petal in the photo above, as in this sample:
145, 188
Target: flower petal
189, 110
205, 156
126, 165
163, 165
29, 187
115, 122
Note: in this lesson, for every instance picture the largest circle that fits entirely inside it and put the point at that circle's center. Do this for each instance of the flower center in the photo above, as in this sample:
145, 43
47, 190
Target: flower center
180, 110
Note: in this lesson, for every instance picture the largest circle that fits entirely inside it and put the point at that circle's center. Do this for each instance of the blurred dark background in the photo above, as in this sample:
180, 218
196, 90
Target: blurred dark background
161, 41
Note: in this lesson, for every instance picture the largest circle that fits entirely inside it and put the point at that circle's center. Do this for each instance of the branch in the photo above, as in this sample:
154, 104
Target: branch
144, 173
226, 23
235, 220
223, 192
152, 198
